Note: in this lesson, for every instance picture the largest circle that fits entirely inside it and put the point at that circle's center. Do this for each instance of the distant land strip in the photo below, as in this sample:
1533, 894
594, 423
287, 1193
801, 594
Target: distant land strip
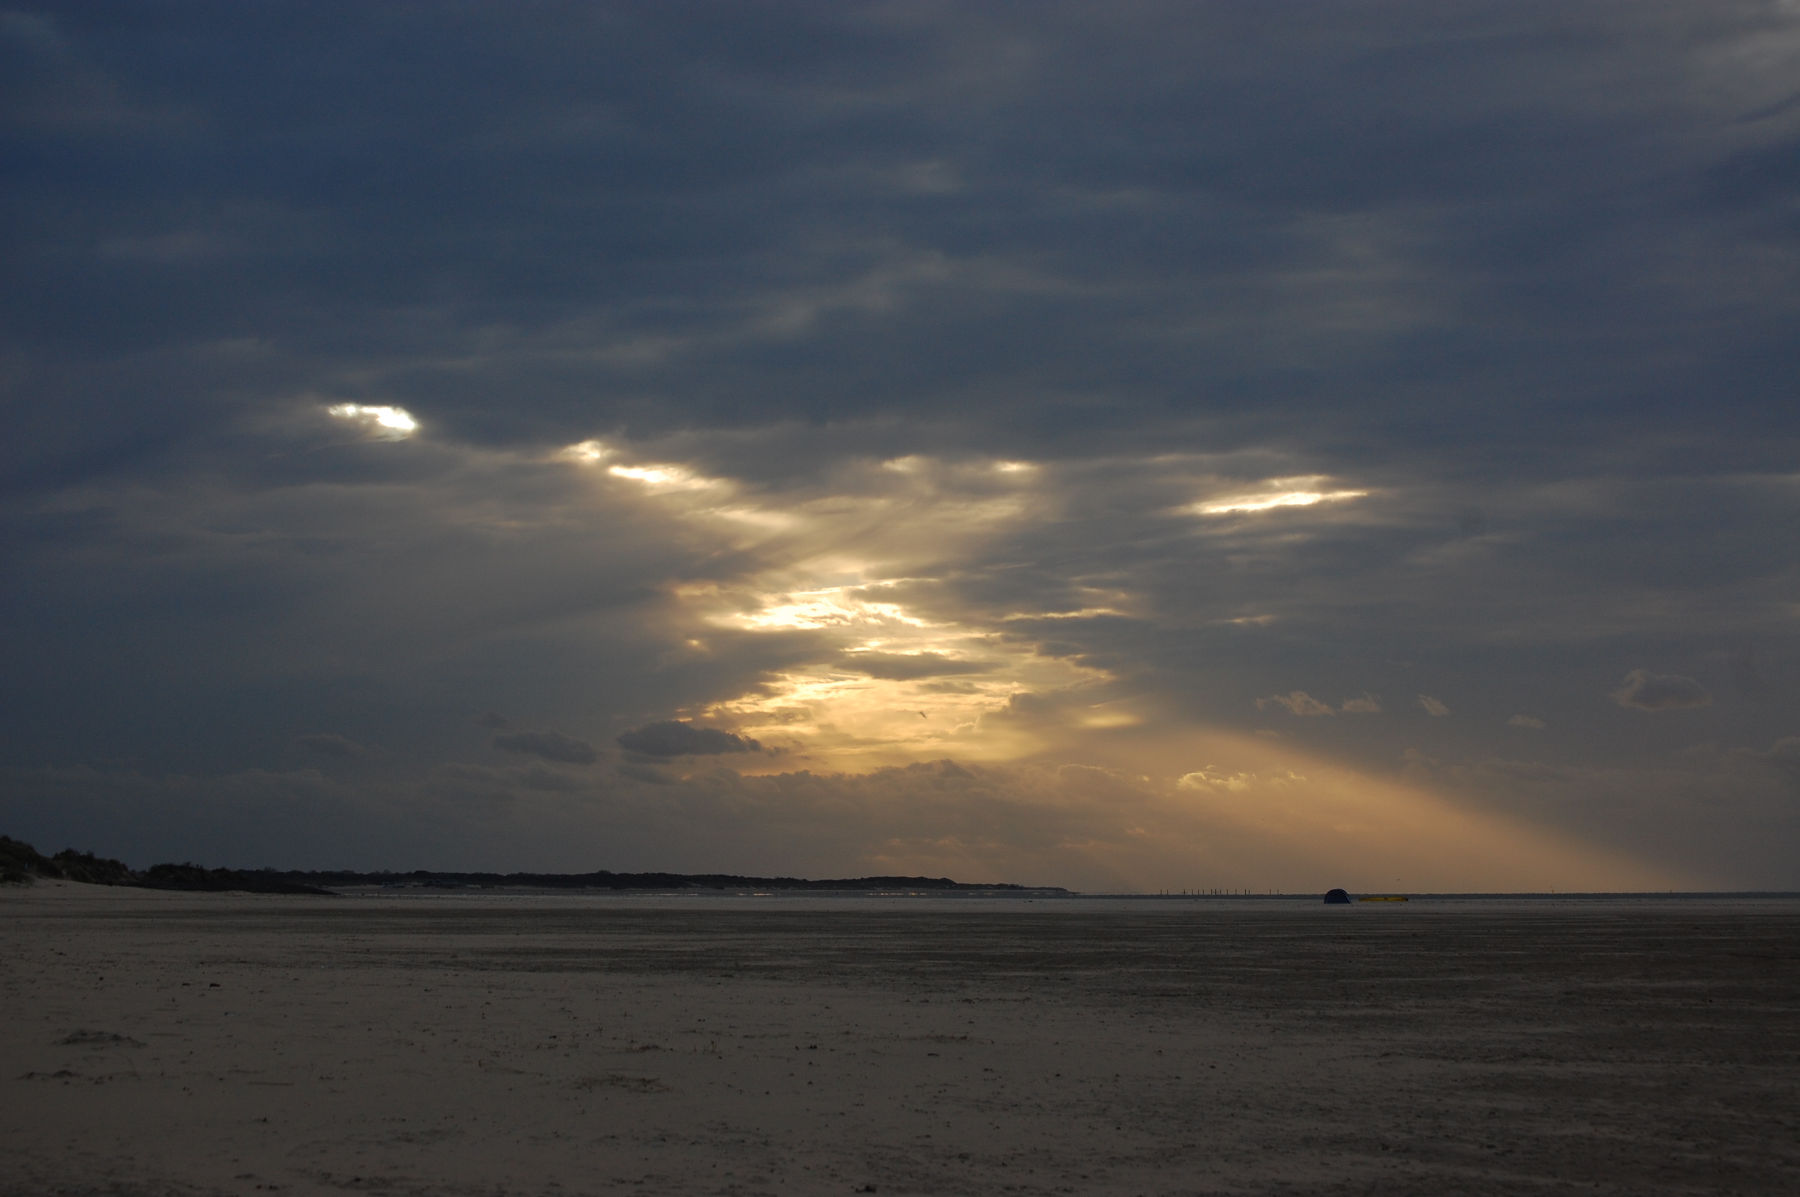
22, 863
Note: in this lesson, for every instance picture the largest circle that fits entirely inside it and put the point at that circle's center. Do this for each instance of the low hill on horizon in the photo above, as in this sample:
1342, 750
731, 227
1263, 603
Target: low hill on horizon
20, 863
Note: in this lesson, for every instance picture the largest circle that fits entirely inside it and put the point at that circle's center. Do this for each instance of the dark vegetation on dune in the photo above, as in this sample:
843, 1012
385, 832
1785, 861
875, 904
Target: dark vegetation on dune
612, 881
21, 863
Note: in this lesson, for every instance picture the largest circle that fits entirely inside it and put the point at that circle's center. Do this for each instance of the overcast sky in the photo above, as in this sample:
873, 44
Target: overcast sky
1133, 446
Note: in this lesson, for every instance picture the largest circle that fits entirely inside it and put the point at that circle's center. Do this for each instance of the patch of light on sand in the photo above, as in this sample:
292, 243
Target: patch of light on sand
1276, 493
388, 423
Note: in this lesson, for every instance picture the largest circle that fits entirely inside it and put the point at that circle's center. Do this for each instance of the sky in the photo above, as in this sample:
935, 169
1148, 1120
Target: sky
1132, 447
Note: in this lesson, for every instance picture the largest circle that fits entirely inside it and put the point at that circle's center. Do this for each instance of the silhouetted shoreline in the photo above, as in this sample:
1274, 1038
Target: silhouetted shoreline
20, 862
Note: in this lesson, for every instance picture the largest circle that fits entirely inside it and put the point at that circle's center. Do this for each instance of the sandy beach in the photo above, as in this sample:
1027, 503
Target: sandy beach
159, 1043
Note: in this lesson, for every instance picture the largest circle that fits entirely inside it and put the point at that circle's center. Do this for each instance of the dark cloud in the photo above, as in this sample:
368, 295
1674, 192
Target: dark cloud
1440, 158
1749, 681
552, 746
674, 737
483, 794
1646, 691
1783, 757
331, 744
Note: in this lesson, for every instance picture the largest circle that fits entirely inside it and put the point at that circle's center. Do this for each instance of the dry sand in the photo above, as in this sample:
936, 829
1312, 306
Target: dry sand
158, 1043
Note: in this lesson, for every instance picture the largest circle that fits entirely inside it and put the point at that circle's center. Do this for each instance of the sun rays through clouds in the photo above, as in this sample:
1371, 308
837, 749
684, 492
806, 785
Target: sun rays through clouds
1045, 442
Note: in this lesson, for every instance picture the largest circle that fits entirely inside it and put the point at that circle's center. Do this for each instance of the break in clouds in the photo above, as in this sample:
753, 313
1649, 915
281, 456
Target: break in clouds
1166, 447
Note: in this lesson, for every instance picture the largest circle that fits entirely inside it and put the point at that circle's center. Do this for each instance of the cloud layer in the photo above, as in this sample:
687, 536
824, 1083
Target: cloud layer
673, 737
1645, 691
551, 746
817, 401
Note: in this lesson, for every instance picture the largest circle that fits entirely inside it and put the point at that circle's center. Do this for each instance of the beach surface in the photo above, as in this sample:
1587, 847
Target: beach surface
161, 1043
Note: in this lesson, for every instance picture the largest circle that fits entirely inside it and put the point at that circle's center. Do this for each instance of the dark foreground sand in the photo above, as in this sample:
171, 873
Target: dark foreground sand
157, 1043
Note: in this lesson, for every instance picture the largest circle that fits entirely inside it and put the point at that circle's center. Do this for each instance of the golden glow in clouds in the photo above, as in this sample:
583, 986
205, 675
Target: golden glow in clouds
1275, 494
873, 679
587, 452
388, 423
878, 659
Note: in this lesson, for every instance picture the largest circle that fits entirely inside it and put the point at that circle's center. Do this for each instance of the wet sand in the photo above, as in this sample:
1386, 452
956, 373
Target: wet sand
173, 1044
